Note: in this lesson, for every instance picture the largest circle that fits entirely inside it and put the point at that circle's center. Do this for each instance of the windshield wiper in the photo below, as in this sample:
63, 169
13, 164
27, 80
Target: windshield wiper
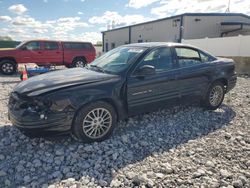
98, 68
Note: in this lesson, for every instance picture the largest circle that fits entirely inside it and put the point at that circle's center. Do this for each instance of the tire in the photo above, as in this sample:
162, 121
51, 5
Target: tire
8, 67
88, 128
214, 97
79, 62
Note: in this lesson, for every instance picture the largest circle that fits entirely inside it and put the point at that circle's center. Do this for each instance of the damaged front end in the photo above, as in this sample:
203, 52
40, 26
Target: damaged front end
40, 116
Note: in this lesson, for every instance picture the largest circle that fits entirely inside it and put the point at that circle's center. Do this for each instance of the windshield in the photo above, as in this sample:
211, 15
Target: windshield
117, 59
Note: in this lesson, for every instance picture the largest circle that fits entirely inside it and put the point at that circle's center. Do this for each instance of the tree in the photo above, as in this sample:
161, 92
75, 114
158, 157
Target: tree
5, 38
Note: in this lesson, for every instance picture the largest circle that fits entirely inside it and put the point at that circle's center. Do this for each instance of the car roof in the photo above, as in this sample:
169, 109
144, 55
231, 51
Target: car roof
157, 44
45, 40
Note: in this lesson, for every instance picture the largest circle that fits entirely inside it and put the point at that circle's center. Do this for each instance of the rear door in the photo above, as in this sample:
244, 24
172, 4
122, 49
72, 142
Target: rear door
148, 93
52, 53
195, 71
31, 52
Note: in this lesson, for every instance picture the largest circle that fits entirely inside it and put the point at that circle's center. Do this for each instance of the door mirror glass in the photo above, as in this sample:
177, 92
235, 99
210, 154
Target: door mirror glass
145, 70
24, 47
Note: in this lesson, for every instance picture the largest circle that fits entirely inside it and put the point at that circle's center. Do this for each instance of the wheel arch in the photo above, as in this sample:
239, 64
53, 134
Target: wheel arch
224, 81
118, 107
79, 57
8, 58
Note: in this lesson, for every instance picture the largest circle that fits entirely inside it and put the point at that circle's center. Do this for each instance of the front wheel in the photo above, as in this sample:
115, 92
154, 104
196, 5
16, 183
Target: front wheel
7, 67
95, 122
214, 96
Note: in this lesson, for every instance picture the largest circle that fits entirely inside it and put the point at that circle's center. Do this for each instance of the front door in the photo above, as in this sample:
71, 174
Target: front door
31, 52
148, 93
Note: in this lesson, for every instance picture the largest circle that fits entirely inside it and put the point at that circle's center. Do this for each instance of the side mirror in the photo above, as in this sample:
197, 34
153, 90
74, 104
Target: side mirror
145, 70
24, 47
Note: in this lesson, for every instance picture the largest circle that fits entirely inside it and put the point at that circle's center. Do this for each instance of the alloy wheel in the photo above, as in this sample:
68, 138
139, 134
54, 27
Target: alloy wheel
97, 123
216, 95
7, 68
79, 64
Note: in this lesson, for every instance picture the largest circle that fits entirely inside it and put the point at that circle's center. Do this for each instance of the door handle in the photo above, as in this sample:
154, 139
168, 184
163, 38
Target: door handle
58, 52
39, 52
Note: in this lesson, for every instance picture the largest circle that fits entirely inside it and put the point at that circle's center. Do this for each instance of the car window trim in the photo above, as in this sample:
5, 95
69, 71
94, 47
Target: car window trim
187, 47
44, 46
39, 42
133, 75
190, 48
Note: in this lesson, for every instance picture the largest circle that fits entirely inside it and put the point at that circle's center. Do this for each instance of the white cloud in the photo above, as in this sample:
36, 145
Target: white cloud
140, 3
110, 17
68, 19
45, 1
15, 30
30, 23
93, 37
102, 28
18, 9
25, 21
69, 24
63, 28
40, 31
5, 18
80, 13
82, 0
174, 7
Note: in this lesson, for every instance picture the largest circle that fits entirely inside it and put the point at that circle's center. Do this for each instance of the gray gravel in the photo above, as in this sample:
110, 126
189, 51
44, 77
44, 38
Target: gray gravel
178, 147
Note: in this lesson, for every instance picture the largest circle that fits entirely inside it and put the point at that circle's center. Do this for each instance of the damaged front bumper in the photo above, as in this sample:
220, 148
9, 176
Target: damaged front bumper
38, 123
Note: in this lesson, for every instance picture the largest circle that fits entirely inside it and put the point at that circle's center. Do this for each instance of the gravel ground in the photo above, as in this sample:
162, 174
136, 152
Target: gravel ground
178, 147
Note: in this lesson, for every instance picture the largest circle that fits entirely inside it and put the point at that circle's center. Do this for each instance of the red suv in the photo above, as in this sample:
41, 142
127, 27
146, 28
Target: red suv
42, 52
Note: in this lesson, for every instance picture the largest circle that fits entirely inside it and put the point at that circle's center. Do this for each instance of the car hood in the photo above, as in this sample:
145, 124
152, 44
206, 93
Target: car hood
59, 79
7, 51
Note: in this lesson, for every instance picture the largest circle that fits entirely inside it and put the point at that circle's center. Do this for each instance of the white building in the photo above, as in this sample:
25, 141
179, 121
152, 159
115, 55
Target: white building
176, 28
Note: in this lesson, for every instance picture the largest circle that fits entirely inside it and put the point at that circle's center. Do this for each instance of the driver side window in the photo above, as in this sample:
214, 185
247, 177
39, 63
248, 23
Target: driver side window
160, 59
34, 45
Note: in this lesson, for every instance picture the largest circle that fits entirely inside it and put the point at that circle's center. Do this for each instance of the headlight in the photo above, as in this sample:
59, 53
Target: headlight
36, 105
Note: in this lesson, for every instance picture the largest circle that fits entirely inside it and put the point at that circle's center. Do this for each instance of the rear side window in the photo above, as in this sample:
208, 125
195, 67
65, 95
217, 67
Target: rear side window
34, 45
51, 46
187, 57
76, 45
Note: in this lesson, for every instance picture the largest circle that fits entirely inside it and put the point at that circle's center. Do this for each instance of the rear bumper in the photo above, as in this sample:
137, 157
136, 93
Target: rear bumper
33, 126
231, 82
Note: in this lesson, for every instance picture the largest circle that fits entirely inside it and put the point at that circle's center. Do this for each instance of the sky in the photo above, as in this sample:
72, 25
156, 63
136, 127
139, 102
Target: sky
83, 20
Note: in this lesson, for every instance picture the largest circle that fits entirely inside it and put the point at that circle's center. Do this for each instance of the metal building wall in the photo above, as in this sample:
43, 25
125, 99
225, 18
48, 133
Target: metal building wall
159, 31
118, 37
196, 27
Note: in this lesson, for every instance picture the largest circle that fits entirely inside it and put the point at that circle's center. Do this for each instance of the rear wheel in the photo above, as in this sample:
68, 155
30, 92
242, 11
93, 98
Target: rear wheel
7, 67
95, 122
79, 62
214, 96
